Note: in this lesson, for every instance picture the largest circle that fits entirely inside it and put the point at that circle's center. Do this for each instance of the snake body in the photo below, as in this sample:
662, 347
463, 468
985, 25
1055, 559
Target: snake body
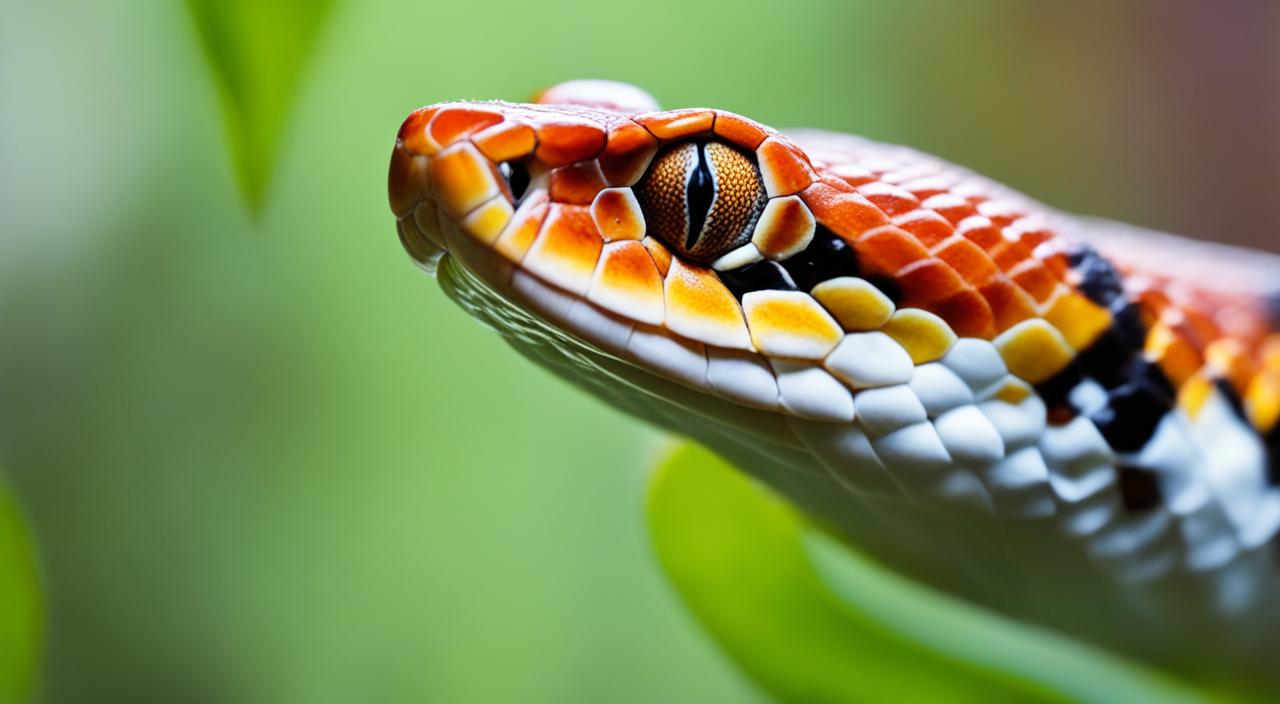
1074, 422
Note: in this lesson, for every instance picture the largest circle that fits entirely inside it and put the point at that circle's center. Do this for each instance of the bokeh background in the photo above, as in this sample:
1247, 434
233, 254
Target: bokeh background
265, 460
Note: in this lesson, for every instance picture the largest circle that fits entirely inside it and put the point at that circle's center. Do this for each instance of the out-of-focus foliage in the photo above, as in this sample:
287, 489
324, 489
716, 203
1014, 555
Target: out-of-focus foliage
21, 615
757, 576
270, 462
257, 50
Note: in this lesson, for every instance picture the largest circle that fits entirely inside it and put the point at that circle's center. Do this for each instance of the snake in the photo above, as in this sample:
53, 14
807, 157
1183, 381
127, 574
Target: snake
1069, 421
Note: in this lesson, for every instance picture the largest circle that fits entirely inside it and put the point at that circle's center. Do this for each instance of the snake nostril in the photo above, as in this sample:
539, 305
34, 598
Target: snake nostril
517, 177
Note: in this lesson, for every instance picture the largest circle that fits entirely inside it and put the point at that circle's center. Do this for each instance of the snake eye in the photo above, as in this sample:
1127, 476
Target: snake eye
517, 176
702, 198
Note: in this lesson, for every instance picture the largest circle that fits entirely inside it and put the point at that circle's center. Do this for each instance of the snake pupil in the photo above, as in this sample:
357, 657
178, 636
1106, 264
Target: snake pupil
700, 194
517, 176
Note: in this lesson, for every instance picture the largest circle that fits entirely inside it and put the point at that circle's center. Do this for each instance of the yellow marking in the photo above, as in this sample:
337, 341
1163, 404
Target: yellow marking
1228, 359
790, 324
1034, 350
1176, 356
856, 303
1013, 393
701, 308
1194, 394
486, 222
1262, 402
1079, 319
925, 336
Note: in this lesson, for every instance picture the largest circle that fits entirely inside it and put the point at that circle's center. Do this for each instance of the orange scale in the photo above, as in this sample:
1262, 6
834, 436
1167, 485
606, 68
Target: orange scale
1008, 255
1271, 353
661, 255
627, 283
841, 209
745, 133
1058, 265
1035, 238
675, 124
453, 123
618, 214
515, 241
464, 178
1009, 304
1201, 325
413, 132
888, 249
1230, 360
565, 142
892, 200
506, 141
1035, 279
566, 251
783, 167
1176, 355
1148, 314
576, 184
928, 227
968, 260
951, 207
851, 174
627, 153
980, 231
928, 186
928, 281
406, 180
699, 307
784, 229
1002, 213
968, 314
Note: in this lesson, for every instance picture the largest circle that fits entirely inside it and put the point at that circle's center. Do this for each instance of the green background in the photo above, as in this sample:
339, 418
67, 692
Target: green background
265, 460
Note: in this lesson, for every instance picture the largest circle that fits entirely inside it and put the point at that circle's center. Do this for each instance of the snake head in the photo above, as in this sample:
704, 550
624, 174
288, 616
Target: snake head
697, 243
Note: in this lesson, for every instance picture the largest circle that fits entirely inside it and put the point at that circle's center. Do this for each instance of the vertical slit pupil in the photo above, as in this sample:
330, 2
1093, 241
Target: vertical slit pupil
517, 176
699, 193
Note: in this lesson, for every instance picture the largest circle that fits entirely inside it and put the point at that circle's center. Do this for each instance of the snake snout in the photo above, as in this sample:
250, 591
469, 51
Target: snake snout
412, 201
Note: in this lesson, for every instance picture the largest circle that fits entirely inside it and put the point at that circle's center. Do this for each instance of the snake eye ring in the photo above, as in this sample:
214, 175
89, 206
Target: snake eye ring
702, 198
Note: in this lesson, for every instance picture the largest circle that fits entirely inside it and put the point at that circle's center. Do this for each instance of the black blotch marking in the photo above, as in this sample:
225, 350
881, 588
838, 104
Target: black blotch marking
699, 194
1139, 488
1271, 441
1109, 359
1056, 390
826, 257
517, 176
764, 275
1134, 410
1233, 399
887, 286
1099, 279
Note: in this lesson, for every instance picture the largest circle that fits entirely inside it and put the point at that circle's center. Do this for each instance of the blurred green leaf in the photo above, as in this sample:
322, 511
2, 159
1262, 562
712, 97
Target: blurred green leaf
257, 50
20, 605
813, 621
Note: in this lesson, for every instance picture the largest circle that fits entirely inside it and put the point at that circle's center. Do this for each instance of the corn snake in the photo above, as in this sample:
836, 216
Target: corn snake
1073, 422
